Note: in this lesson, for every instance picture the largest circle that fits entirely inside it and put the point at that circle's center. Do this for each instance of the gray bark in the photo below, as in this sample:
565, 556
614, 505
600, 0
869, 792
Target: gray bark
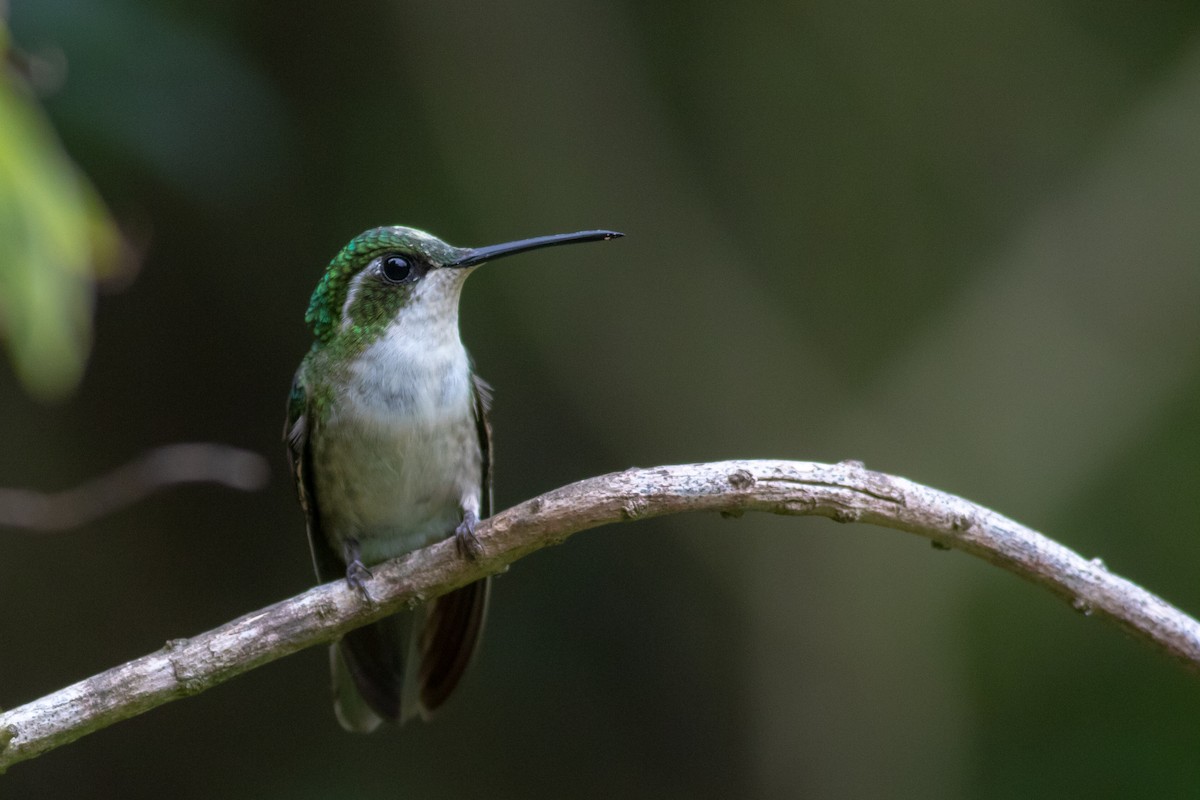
844, 492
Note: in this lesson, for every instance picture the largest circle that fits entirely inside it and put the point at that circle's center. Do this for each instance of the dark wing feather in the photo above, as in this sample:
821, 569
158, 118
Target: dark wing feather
296, 434
483, 425
449, 641
451, 635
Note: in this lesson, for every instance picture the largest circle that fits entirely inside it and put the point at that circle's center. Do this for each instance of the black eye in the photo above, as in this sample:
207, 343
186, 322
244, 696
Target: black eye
396, 269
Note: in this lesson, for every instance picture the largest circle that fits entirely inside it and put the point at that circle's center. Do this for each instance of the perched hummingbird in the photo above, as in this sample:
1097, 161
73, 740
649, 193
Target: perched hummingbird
390, 445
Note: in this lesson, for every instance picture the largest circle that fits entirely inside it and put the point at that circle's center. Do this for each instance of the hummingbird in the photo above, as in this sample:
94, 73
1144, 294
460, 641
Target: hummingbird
390, 447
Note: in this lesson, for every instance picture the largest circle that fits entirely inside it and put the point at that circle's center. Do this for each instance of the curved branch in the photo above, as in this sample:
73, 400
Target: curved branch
845, 492
154, 470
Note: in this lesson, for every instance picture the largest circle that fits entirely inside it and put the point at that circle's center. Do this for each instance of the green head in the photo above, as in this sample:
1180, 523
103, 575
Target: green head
384, 270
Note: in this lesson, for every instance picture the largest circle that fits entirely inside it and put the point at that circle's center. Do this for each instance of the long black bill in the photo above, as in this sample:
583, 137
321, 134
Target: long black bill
478, 255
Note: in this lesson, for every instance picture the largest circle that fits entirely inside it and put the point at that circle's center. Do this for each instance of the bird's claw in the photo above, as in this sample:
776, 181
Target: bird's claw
357, 575
465, 541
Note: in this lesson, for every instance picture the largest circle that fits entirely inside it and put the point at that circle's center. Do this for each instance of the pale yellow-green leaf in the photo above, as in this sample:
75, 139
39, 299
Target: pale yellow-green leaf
55, 238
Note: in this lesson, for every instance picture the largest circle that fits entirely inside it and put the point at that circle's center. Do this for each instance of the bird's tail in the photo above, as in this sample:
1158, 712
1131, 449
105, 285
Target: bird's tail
409, 663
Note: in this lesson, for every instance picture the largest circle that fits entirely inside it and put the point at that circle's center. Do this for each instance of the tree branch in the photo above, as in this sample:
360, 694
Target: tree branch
154, 470
845, 492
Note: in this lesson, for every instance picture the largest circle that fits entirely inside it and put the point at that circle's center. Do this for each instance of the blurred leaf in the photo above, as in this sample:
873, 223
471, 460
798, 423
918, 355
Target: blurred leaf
55, 238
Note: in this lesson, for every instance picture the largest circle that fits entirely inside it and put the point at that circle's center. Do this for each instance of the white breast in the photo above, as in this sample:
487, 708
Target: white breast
402, 451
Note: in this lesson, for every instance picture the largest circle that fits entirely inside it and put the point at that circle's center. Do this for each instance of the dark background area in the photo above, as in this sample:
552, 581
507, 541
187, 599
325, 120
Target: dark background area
957, 241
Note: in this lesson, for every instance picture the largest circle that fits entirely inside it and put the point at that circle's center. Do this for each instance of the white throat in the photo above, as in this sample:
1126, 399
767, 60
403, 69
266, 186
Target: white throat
418, 367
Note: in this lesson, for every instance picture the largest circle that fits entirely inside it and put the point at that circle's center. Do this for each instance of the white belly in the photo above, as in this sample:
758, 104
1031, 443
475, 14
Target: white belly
399, 458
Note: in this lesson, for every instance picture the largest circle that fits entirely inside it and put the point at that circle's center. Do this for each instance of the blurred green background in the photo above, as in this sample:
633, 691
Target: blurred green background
957, 241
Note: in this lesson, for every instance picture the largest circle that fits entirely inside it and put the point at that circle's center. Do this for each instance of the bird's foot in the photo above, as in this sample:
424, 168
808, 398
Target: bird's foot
465, 541
357, 575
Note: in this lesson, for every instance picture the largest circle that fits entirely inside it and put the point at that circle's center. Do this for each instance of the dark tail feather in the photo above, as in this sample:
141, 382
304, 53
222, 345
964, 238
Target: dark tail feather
370, 672
375, 657
449, 640
352, 711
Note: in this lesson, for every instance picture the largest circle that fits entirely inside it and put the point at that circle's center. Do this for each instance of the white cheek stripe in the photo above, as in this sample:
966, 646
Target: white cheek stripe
351, 294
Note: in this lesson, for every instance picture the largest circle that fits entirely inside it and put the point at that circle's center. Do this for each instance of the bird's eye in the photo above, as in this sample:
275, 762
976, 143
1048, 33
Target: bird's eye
396, 269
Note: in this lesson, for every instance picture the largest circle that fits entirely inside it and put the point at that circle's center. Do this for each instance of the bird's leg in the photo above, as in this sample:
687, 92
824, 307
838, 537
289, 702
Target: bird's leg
356, 571
465, 541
